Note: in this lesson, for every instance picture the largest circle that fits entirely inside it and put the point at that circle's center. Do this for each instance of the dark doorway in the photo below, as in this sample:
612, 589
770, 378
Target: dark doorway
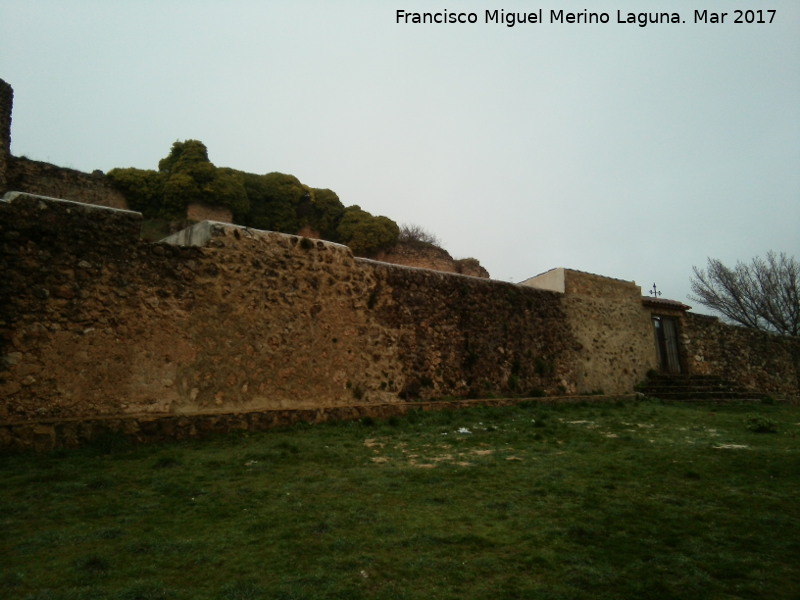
666, 331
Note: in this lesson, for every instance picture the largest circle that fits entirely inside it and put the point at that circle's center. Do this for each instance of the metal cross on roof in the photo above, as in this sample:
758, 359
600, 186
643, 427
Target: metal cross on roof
654, 292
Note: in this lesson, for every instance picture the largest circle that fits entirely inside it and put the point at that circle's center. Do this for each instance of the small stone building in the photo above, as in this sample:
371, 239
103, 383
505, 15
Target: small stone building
625, 336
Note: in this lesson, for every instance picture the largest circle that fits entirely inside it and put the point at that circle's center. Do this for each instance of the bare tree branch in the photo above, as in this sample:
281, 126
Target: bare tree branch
414, 234
763, 295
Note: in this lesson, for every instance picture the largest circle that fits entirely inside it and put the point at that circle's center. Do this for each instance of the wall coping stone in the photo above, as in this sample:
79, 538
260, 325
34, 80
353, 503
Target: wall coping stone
25, 197
199, 234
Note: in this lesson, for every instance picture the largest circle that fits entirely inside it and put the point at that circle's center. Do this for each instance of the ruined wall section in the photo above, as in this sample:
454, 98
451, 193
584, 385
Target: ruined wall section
424, 256
96, 323
41, 178
35, 177
762, 362
6, 105
429, 256
197, 211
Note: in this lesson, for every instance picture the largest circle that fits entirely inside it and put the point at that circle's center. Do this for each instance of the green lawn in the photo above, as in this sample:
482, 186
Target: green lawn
628, 500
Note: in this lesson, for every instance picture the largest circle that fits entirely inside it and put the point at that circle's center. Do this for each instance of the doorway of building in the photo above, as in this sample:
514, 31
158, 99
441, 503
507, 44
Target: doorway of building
666, 332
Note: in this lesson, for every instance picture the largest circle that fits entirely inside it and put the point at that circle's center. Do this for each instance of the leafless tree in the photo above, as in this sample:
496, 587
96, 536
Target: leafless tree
764, 294
415, 234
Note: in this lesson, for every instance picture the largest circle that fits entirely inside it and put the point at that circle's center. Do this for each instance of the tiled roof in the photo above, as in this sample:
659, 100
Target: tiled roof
664, 303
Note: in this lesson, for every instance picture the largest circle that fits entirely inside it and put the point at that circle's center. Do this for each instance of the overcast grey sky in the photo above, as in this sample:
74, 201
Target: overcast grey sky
627, 151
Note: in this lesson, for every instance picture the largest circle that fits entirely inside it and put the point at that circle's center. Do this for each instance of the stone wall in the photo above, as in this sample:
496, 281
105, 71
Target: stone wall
428, 256
197, 211
18, 173
98, 326
599, 286
96, 323
615, 334
6, 104
471, 267
760, 361
44, 179
613, 325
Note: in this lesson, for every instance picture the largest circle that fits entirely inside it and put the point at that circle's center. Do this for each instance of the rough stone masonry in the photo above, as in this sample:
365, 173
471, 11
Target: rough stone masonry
95, 322
226, 325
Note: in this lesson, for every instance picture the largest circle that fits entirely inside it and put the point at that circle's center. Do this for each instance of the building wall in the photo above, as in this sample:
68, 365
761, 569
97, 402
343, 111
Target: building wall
615, 335
553, 280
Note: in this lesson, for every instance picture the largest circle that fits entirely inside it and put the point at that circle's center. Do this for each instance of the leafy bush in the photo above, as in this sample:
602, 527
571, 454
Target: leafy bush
322, 213
143, 189
274, 201
183, 177
366, 234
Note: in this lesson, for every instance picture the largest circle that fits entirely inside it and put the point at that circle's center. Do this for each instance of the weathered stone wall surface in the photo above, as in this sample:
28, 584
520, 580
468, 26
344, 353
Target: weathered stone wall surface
598, 286
44, 179
468, 336
203, 212
98, 326
424, 256
471, 267
428, 256
615, 334
760, 361
96, 323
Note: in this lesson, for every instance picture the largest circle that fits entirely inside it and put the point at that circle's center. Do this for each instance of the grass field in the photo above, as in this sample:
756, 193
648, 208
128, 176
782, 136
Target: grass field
628, 500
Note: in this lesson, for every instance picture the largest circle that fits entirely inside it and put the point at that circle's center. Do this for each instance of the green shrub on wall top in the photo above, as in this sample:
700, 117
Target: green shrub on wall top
143, 189
366, 234
273, 202
325, 211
